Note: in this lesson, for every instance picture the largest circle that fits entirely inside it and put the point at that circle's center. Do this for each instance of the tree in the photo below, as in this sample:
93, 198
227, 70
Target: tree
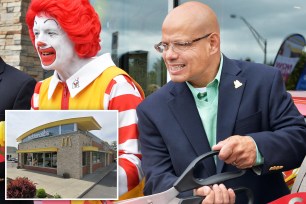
114, 145
157, 76
296, 73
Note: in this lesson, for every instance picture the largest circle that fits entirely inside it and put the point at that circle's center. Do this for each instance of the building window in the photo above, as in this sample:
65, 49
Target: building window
48, 160
85, 158
94, 157
98, 157
35, 159
53, 130
130, 36
103, 156
36, 135
28, 159
67, 128
39, 159
54, 160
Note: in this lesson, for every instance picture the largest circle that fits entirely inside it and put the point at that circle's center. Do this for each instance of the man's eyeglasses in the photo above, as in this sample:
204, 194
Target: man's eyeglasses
177, 46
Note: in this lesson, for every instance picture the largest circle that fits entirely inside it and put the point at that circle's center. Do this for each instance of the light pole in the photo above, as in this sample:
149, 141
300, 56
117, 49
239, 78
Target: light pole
260, 40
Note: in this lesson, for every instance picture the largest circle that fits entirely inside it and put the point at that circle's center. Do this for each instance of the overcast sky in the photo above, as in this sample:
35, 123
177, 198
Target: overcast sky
18, 122
139, 25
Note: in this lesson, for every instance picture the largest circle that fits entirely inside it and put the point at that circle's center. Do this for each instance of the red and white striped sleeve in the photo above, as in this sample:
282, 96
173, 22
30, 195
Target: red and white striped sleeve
35, 97
122, 95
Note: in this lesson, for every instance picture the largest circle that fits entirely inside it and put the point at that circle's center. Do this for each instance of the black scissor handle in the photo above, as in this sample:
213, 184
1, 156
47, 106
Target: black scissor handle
247, 191
187, 181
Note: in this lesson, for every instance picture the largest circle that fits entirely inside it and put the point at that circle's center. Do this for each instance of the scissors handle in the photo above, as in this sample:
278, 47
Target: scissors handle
199, 199
247, 191
192, 200
187, 181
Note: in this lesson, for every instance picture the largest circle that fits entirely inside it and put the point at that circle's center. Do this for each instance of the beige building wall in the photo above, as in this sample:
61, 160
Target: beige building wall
16, 47
69, 155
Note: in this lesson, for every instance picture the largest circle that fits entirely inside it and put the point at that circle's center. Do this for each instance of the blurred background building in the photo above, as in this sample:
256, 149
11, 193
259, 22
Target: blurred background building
250, 30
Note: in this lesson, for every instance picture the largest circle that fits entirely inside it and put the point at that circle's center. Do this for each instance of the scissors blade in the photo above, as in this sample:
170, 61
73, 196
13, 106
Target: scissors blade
165, 197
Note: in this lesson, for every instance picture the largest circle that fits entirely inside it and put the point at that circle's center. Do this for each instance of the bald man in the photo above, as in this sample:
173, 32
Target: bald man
214, 103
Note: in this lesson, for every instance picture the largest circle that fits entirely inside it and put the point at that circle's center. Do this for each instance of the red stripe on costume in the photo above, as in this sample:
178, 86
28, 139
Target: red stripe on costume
131, 172
129, 80
113, 82
32, 104
110, 86
2, 155
121, 152
128, 132
37, 87
124, 102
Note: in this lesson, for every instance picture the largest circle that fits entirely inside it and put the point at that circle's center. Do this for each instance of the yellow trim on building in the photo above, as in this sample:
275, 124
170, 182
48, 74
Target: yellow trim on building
90, 149
48, 149
84, 123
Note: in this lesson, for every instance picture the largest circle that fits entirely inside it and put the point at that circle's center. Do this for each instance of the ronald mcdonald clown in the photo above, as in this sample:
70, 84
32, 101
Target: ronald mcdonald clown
65, 34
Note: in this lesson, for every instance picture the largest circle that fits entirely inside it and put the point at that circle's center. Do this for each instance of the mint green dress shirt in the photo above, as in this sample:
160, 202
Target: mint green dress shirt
208, 108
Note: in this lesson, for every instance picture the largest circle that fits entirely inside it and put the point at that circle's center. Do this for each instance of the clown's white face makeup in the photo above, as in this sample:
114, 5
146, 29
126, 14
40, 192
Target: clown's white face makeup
54, 48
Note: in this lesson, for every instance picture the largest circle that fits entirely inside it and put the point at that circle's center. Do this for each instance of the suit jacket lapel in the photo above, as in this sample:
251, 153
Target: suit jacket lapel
2, 66
229, 100
185, 111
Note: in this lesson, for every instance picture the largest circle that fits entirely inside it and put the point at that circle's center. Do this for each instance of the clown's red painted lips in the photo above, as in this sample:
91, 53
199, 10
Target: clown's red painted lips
47, 55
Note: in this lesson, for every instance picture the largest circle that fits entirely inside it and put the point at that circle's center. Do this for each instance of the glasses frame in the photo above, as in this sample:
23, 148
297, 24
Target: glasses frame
172, 44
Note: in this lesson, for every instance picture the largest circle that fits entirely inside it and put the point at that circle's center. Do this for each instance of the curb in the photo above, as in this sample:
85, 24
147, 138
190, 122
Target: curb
109, 169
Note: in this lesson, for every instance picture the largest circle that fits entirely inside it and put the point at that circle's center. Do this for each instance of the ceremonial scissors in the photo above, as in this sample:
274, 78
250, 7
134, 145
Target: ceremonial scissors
186, 182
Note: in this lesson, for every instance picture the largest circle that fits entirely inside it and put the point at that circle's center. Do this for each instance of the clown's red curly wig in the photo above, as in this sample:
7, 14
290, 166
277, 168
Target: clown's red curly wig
76, 17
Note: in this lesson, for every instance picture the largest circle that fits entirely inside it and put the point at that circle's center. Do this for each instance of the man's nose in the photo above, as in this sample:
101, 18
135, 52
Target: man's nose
41, 44
170, 53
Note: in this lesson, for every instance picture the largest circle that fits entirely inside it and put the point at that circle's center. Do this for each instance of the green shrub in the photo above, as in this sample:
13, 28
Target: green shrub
21, 188
41, 193
57, 196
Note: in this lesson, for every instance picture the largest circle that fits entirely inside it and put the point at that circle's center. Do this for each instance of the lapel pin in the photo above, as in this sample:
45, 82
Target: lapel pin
237, 84
76, 83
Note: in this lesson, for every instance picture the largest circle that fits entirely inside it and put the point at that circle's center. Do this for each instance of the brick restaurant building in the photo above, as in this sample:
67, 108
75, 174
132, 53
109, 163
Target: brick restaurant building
16, 48
64, 146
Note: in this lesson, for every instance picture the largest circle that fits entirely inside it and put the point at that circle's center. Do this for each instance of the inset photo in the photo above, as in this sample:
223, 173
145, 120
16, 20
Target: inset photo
61, 154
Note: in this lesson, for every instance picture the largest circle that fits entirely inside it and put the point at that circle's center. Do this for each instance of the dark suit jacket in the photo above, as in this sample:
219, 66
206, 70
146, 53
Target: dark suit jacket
16, 90
172, 134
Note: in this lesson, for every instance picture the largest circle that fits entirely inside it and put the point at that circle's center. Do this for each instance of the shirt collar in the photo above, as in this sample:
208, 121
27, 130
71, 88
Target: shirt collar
195, 91
218, 76
80, 80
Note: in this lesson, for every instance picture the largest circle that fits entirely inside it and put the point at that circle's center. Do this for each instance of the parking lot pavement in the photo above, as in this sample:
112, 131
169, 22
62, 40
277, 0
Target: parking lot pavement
67, 188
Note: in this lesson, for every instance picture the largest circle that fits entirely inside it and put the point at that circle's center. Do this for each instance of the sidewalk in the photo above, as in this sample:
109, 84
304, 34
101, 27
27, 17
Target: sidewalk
67, 188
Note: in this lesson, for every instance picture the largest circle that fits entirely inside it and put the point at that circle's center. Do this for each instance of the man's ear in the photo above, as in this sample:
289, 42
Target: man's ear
214, 41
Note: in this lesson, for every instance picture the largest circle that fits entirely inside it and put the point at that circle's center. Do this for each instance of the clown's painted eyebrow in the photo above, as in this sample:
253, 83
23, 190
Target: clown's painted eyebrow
51, 20
47, 20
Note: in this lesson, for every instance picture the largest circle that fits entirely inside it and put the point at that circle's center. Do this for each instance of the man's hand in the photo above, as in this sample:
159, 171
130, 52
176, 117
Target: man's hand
237, 150
217, 194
